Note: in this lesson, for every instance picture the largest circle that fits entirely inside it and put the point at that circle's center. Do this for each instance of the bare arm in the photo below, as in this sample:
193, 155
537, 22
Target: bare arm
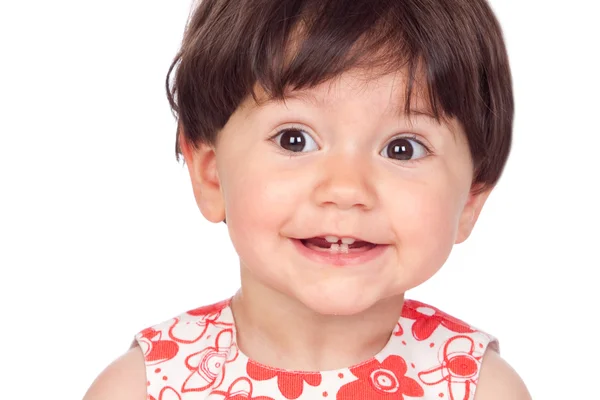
124, 379
499, 381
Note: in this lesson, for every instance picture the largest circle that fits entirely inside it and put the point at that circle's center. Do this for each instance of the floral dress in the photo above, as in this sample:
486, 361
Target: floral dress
430, 355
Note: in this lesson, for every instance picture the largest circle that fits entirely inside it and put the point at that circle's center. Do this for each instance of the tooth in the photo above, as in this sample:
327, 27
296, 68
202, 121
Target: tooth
344, 248
332, 239
335, 248
348, 240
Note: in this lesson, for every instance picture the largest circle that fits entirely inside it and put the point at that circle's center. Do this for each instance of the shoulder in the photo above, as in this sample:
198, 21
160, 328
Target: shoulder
499, 381
123, 379
460, 341
167, 343
162, 341
426, 320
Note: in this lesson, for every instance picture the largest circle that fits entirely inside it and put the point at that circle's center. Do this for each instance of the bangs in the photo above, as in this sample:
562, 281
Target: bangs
324, 40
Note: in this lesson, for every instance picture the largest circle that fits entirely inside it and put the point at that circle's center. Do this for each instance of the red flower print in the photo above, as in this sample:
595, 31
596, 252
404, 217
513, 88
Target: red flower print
240, 389
211, 309
381, 381
290, 385
428, 319
188, 331
459, 367
168, 393
398, 331
155, 349
208, 366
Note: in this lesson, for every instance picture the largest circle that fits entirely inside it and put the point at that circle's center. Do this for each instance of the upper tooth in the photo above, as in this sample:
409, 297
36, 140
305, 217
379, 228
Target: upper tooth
335, 239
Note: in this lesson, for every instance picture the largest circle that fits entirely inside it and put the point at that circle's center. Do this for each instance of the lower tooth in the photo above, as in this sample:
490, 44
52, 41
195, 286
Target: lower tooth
337, 248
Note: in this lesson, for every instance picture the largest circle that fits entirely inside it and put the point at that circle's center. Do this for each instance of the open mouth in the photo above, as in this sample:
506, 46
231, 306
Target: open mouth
336, 245
340, 251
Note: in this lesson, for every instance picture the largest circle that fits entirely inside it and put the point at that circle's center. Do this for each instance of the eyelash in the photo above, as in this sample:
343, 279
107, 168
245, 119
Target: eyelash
412, 137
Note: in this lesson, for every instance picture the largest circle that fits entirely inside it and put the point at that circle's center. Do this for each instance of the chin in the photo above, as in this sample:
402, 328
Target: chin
346, 304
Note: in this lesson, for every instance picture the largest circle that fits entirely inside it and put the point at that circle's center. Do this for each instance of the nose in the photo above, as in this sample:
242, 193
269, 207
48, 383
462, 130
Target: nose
345, 182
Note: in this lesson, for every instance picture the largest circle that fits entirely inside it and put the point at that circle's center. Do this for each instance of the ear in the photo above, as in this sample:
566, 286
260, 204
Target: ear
478, 195
202, 166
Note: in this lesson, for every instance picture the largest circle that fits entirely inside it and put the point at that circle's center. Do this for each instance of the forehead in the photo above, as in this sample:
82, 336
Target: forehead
379, 93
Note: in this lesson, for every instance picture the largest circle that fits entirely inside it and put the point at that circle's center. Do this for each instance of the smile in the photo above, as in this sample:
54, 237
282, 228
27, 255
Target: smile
339, 251
334, 244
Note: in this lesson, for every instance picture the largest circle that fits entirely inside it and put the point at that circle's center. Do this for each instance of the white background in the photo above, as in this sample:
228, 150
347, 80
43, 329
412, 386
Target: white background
100, 235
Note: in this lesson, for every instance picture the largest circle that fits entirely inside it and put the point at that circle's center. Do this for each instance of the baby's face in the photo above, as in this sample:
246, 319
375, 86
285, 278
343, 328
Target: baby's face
348, 165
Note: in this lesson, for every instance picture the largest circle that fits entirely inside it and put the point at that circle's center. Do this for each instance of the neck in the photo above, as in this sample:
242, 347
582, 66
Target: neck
278, 331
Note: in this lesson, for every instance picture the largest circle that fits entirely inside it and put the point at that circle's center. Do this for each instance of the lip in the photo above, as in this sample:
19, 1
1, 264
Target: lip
340, 259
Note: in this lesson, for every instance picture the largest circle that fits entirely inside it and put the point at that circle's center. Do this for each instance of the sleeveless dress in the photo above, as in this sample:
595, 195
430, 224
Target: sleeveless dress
430, 355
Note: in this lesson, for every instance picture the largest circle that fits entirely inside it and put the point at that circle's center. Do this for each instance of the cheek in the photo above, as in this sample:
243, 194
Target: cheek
425, 220
258, 203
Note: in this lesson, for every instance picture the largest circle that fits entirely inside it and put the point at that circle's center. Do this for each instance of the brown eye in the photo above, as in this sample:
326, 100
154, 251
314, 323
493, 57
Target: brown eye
404, 149
295, 140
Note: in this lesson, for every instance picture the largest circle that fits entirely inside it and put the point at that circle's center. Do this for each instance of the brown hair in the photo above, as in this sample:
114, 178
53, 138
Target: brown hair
229, 46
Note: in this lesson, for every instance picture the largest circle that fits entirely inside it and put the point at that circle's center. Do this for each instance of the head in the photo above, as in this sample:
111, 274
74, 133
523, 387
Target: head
387, 121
